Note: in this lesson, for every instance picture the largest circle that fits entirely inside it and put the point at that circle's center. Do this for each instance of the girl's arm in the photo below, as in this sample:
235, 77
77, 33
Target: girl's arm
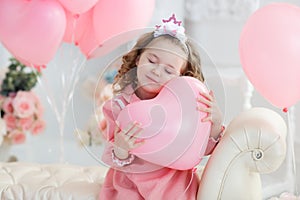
119, 142
215, 116
125, 140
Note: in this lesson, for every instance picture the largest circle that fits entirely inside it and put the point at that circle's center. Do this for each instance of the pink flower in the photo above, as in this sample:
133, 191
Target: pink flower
23, 104
17, 136
38, 126
10, 121
25, 123
39, 108
7, 106
22, 113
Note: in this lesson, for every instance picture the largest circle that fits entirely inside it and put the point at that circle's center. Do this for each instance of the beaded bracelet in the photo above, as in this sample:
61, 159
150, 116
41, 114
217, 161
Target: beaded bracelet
121, 162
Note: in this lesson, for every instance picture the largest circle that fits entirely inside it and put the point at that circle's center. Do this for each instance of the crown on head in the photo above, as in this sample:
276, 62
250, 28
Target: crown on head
171, 27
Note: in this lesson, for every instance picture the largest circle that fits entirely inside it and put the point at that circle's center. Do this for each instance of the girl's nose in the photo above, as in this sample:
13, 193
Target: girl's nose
157, 70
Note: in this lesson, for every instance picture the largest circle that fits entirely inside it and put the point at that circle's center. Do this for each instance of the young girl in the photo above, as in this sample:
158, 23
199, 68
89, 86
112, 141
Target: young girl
156, 58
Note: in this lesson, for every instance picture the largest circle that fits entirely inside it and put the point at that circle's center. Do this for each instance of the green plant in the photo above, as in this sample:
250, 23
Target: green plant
19, 77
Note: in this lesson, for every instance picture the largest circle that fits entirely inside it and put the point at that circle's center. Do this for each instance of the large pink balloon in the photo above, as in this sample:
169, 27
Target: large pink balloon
270, 53
175, 136
91, 48
32, 30
113, 17
87, 43
78, 6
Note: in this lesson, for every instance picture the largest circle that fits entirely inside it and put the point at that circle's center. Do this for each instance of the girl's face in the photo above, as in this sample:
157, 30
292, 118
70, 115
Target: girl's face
161, 61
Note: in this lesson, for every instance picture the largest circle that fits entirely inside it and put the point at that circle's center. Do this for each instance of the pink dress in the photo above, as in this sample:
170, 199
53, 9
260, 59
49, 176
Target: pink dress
142, 179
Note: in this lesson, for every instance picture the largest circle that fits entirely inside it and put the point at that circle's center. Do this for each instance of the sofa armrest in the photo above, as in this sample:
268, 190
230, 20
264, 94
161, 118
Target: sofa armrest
254, 143
50, 181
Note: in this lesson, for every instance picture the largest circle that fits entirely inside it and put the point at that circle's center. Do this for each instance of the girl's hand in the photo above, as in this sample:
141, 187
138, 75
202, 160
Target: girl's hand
214, 114
126, 140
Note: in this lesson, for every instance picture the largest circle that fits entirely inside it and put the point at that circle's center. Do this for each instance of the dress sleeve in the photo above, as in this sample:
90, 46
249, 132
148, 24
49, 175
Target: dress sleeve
111, 111
212, 142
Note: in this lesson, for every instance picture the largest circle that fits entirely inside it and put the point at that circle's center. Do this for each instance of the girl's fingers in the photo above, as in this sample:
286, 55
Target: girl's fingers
207, 119
128, 128
117, 130
135, 142
137, 133
138, 143
204, 109
205, 101
126, 139
135, 126
207, 95
134, 131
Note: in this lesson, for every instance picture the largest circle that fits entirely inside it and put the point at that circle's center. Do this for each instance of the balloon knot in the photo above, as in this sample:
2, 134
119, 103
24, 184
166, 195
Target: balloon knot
39, 67
285, 110
76, 16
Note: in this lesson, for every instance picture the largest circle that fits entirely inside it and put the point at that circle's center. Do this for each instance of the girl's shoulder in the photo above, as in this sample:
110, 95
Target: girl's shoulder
122, 99
115, 104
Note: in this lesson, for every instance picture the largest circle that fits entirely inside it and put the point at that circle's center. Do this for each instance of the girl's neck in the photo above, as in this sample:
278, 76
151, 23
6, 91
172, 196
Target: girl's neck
143, 95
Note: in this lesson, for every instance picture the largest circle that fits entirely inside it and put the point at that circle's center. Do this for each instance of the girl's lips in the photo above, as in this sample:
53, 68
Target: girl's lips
152, 79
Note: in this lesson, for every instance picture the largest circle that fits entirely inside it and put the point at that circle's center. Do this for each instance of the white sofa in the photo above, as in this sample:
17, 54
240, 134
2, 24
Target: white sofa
254, 143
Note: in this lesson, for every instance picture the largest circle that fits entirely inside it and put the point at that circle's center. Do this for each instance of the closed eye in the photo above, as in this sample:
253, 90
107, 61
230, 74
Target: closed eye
151, 61
170, 70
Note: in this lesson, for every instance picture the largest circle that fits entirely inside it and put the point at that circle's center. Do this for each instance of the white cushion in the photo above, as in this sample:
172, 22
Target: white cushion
50, 181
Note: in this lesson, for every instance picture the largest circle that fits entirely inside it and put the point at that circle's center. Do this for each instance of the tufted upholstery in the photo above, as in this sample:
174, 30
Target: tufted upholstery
49, 181
254, 143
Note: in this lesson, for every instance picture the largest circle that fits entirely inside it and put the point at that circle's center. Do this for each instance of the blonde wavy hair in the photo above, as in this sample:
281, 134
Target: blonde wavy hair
127, 73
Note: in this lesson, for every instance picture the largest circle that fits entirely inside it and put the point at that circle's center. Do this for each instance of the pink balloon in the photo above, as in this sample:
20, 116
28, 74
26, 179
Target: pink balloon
113, 17
88, 42
76, 26
175, 136
78, 6
270, 53
32, 30
90, 47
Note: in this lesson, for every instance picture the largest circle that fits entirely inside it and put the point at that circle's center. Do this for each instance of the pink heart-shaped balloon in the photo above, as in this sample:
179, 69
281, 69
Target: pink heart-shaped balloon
32, 30
174, 134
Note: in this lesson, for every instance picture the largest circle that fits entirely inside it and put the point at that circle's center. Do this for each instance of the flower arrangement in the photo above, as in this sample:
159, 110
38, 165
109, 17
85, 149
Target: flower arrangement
21, 109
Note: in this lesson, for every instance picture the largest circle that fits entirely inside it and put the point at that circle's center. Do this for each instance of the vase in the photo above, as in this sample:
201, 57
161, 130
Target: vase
4, 151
